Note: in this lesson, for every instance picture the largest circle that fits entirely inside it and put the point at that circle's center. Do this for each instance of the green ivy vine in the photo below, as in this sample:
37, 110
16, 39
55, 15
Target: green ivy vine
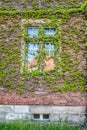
69, 78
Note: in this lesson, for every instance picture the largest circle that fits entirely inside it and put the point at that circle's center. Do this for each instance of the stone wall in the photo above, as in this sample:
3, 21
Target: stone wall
73, 114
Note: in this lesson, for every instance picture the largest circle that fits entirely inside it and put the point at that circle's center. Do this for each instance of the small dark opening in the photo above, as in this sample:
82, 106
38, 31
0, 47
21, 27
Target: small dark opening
45, 116
36, 116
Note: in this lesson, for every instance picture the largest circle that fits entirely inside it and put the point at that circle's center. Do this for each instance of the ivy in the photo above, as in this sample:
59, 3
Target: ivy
66, 72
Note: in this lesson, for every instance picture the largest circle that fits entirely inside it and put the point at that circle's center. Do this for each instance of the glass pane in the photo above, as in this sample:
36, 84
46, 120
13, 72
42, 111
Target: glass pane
51, 46
49, 49
33, 46
47, 31
50, 31
45, 116
30, 32
49, 64
33, 32
36, 116
33, 49
51, 53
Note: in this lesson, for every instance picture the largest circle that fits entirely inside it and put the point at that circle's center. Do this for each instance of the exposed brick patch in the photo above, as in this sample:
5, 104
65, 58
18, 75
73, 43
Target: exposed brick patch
61, 99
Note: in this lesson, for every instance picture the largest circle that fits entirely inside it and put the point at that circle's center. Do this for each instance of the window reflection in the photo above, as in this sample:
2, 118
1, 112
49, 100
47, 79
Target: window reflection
33, 50
50, 31
33, 32
49, 49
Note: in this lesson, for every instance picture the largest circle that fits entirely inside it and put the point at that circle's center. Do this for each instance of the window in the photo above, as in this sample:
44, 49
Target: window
49, 49
41, 117
37, 48
50, 31
36, 116
32, 54
46, 116
33, 32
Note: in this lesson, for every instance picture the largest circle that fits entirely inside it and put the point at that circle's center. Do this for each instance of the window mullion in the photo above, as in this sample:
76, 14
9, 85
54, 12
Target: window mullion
41, 63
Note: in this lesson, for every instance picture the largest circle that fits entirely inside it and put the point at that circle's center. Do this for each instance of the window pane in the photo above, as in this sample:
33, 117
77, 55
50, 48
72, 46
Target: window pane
36, 116
30, 32
49, 49
33, 49
49, 64
45, 116
32, 54
50, 31
33, 32
33, 46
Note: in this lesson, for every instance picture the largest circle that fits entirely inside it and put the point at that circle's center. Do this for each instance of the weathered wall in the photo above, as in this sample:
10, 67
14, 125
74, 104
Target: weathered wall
45, 88
38, 4
56, 113
73, 62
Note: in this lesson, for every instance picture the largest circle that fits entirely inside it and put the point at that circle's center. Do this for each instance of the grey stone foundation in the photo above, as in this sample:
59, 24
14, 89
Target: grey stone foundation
74, 114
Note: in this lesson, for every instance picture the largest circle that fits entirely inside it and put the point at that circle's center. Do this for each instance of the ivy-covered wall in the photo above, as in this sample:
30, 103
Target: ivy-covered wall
71, 37
38, 4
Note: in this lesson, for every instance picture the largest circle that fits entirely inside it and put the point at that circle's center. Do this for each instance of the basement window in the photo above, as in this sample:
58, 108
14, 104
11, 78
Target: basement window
36, 116
46, 116
41, 117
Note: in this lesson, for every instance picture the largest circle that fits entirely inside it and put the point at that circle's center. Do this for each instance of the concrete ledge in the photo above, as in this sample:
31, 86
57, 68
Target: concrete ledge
21, 109
41, 109
69, 109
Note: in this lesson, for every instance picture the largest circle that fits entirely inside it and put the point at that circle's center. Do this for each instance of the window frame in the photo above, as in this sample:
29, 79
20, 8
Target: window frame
39, 24
44, 62
41, 117
33, 32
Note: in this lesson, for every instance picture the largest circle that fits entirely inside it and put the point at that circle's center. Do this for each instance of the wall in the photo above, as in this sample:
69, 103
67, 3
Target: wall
65, 89
38, 4
56, 113
71, 39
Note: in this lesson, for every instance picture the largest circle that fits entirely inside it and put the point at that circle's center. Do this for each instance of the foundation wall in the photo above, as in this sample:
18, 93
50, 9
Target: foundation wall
73, 114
